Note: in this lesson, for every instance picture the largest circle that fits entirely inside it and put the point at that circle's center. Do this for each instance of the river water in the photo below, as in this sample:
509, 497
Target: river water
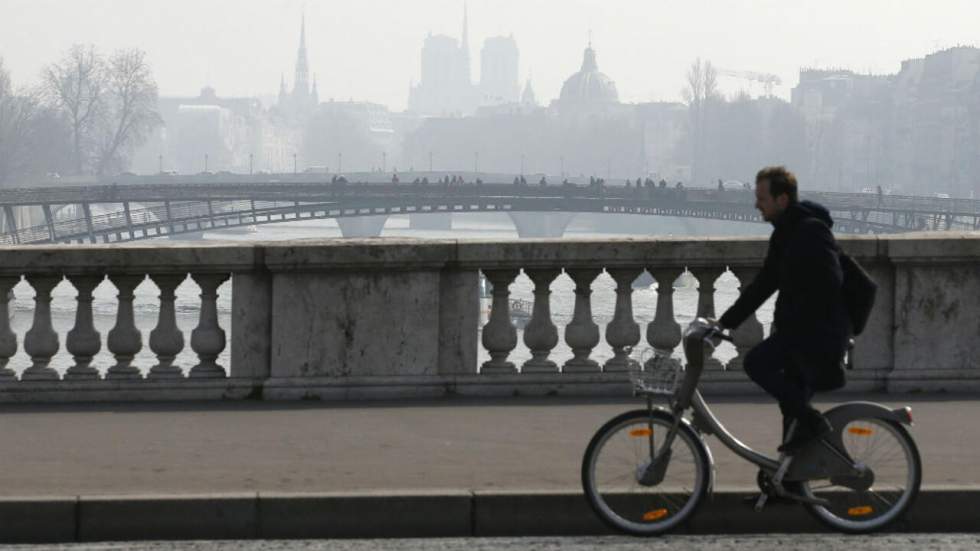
146, 303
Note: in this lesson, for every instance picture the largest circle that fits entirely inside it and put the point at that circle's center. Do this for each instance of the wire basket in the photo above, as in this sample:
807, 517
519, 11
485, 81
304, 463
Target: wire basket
654, 372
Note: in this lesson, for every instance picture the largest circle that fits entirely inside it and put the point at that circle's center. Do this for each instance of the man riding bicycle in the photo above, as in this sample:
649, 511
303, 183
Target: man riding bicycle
811, 327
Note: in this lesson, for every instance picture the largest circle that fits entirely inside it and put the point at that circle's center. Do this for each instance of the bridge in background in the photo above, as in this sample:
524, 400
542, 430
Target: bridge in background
110, 213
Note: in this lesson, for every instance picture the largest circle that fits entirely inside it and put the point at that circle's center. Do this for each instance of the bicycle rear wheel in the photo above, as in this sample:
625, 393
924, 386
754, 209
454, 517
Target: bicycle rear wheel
617, 457
881, 496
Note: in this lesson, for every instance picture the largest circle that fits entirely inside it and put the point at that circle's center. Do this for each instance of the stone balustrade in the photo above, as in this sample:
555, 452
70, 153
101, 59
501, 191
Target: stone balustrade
378, 318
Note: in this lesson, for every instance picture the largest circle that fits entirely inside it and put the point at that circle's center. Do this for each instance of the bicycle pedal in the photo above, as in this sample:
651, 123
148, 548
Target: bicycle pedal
761, 502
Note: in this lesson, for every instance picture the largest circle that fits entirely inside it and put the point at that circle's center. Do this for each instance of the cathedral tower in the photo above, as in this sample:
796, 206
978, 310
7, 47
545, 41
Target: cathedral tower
301, 86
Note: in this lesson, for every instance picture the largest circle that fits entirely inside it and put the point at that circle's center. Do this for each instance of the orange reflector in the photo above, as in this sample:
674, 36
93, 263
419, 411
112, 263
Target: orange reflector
655, 514
637, 433
859, 511
860, 431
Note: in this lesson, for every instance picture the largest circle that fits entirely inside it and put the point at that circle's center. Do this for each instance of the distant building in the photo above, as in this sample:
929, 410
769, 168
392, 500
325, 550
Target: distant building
445, 88
587, 131
588, 91
350, 136
934, 135
917, 131
225, 129
844, 114
527, 96
528, 104
499, 66
303, 99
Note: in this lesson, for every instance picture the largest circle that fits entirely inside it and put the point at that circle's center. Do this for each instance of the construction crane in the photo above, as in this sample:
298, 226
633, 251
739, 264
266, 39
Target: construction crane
768, 80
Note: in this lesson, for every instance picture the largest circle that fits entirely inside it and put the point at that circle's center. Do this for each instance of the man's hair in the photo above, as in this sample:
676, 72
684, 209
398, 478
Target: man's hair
780, 181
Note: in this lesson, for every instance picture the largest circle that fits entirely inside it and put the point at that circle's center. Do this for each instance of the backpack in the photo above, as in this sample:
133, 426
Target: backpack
858, 291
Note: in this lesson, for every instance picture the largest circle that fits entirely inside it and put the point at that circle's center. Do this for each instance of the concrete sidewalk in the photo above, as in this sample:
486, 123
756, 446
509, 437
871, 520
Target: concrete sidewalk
512, 463
466, 444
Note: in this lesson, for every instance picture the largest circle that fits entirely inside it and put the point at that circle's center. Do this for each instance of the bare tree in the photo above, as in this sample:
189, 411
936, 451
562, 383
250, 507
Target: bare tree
702, 87
17, 114
702, 83
76, 86
130, 112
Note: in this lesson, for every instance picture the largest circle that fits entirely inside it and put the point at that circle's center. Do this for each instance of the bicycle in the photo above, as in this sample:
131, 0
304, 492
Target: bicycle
646, 471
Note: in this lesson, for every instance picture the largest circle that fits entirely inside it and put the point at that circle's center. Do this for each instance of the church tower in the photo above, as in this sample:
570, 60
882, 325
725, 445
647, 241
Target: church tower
527, 97
301, 86
465, 47
283, 97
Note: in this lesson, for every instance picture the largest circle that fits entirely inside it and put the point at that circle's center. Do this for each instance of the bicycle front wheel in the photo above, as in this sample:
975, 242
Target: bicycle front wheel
617, 459
893, 473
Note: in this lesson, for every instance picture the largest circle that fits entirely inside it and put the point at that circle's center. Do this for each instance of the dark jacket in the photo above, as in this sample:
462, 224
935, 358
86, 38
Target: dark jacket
803, 265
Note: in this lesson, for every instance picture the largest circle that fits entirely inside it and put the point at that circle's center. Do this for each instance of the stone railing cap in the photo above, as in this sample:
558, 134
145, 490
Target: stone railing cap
611, 252
927, 247
141, 257
410, 254
398, 253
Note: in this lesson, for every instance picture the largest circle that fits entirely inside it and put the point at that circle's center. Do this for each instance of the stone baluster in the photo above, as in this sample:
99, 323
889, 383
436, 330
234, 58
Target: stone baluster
8, 339
499, 335
622, 331
582, 334
706, 276
208, 338
664, 333
83, 341
749, 333
166, 340
540, 334
41, 341
124, 340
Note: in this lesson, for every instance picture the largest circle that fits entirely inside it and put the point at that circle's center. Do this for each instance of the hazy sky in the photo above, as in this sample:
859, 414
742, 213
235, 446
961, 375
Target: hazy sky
369, 49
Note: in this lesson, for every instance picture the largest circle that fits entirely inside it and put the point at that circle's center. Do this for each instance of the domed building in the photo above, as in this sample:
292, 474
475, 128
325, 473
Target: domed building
588, 90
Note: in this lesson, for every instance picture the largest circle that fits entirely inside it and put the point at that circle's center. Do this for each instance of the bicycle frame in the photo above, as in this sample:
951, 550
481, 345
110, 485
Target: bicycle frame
705, 421
688, 396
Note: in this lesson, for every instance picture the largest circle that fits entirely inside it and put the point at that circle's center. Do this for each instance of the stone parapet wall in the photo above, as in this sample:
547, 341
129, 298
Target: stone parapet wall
387, 318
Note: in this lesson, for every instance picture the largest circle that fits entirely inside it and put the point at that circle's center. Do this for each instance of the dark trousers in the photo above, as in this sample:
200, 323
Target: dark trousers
772, 366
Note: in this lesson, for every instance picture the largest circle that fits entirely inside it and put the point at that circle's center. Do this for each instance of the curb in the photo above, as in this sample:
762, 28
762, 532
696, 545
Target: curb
390, 515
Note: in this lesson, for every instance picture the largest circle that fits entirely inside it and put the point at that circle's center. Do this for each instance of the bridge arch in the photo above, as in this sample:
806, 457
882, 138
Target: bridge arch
362, 208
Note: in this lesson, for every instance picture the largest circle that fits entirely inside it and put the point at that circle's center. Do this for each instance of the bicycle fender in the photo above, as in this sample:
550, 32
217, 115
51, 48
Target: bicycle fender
840, 415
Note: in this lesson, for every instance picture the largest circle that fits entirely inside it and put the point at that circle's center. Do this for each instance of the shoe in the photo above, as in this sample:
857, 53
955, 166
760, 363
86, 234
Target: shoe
811, 427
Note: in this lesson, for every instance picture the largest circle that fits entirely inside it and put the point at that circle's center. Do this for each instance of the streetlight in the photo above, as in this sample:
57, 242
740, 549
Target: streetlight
384, 161
430, 161
249, 164
522, 164
562, 163
295, 165
340, 162
476, 162
160, 158
205, 162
